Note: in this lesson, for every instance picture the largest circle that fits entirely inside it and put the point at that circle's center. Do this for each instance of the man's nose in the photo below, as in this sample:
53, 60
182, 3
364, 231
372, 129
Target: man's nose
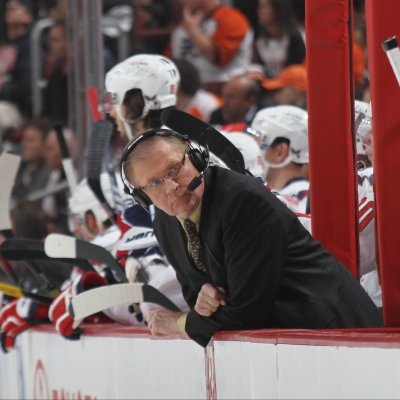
170, 185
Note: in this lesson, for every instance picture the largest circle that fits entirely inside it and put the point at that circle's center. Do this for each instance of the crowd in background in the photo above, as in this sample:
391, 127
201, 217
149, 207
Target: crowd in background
274, 74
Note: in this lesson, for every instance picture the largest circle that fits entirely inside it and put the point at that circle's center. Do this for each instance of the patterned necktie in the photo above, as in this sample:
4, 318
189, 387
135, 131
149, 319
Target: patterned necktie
194, 244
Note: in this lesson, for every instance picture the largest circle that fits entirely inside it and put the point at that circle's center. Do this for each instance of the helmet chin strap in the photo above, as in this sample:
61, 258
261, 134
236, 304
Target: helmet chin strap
128, 123
266, 165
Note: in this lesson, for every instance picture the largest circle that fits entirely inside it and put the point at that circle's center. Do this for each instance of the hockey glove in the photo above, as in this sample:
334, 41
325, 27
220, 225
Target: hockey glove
17, 317
59, 309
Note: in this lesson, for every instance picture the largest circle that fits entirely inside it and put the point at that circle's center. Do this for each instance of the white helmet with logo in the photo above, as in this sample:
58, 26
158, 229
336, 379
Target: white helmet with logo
363, 118
83, 199
156, 76
289, 122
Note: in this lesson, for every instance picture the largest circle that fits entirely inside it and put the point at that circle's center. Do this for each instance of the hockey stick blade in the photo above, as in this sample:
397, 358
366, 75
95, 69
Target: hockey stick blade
9, 164
57, 245
66, 158
15, 291
29, 249
205, 135
99, 299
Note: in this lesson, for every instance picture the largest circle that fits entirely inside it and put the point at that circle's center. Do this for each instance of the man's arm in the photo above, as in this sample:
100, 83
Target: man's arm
191, 21
255, 244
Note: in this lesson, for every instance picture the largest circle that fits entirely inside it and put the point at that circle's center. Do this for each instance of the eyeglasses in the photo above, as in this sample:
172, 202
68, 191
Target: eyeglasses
172, 173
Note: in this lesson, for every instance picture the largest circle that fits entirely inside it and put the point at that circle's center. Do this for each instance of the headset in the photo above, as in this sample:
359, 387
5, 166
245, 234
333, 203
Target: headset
198, 156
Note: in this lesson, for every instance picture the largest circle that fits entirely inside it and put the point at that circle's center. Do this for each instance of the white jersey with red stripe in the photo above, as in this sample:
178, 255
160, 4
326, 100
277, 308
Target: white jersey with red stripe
369, 277
138, 249
295, 192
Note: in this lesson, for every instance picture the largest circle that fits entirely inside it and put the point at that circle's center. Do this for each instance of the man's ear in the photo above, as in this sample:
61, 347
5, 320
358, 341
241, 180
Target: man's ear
91, 223
282, 151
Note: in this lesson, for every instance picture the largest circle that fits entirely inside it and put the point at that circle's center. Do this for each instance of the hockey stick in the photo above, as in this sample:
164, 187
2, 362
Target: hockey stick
66, 159
206, 136
9, 164
391, 48
92, 95
32, 251
15, 291
29, 249
101, 298
99, 139
62, 246
98, 146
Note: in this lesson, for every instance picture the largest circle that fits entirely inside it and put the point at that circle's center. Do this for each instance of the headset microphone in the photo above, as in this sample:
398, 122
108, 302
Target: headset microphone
195, 182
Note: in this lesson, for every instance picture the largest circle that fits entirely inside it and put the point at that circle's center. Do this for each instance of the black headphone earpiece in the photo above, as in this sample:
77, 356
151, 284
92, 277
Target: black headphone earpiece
198, 157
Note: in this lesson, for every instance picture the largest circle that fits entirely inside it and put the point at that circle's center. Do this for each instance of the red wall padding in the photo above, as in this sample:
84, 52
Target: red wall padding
331, 140
383, 22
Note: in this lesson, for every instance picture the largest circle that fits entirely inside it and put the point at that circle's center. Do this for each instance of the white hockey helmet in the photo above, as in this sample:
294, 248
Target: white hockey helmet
363, 118
284, 121
249, 149
155, 75
83, 199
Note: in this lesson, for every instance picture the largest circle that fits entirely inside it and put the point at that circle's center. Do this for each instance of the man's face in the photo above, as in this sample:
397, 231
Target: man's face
57, 43
52, 151
368, 145
172, 196
32, 144
237, 101
136, 129
118, 120
193, 5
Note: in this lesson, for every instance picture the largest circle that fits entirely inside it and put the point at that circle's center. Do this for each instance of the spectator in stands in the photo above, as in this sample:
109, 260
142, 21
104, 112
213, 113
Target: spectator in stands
250, 263
288, 88
29, 221
191, 98
33, 172
55, 202
55, 93
15, 82
216, 38
10, 127
57, 70
280, 42
241, 96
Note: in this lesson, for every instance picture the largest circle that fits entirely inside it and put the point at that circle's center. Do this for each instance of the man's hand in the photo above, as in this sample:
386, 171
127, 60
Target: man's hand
164, 322
209, 300
191, 19
17, 317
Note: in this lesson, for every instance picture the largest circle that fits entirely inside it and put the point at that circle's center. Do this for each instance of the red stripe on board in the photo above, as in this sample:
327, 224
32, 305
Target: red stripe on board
363, 337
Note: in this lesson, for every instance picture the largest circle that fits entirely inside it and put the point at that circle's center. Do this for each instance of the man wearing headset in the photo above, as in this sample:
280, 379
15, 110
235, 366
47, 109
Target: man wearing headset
253, 265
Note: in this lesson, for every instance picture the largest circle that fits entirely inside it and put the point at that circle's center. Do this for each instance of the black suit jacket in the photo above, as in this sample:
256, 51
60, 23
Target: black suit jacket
275, 275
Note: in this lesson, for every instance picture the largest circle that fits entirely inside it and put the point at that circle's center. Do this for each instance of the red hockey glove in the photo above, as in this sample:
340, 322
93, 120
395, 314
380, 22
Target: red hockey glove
17, 317
59, 309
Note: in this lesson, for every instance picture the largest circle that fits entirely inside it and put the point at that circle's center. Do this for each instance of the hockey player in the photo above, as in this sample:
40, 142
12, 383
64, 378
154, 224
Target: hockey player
89, 220
369, 276
140, 89
250, 150
282, 134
